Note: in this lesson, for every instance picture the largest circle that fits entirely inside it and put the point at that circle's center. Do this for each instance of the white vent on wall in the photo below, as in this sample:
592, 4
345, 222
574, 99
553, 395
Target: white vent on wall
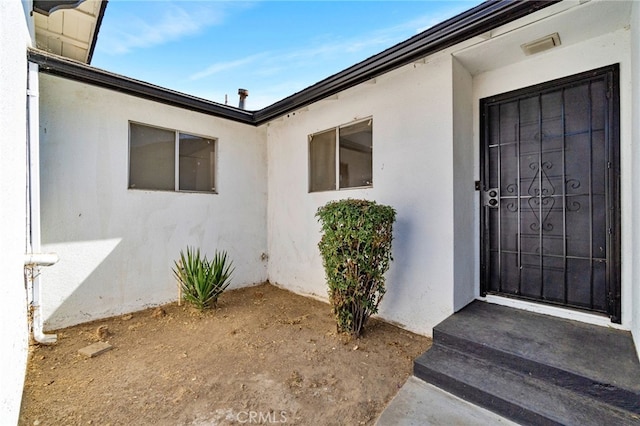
540, 45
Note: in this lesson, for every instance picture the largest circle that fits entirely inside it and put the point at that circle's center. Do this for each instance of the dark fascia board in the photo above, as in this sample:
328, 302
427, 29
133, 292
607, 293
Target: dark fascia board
67, 68
92, 47
478, 20
475, 21
46, 7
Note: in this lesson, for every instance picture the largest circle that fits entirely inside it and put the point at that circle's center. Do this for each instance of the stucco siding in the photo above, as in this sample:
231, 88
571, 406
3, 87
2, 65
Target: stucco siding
634, 250
425, 160
412, 171
466, 247
116, 245
14, 39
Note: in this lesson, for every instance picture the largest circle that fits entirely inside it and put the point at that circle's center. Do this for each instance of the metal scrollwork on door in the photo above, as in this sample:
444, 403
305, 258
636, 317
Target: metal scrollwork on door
541, 190
545, 205
572, 205
573, 183
512, 205
550, 188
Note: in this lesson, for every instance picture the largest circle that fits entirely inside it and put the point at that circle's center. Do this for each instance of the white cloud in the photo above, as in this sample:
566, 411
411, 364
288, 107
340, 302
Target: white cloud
174, 22
273, 74
370, 43
225, 66
266, 71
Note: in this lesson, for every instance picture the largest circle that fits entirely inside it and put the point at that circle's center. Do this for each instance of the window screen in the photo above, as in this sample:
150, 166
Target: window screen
155, 153
197, 158
356, 155
322, 159
348, 147
151, 158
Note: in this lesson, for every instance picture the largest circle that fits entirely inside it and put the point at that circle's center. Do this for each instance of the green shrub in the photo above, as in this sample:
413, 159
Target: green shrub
356, 252
202, 281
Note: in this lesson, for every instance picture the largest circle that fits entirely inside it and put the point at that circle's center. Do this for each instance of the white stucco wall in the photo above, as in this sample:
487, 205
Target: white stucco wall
634, 250
412, 171
465, 196
426, 158
116, 245
14, 39
565, 61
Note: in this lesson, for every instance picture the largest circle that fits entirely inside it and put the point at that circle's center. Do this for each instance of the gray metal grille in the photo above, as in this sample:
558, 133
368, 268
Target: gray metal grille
548, 218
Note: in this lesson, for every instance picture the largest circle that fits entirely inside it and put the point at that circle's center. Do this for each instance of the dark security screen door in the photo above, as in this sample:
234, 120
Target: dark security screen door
550, 227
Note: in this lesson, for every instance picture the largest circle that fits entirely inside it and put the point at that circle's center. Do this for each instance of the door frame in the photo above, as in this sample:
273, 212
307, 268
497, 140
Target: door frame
611, 74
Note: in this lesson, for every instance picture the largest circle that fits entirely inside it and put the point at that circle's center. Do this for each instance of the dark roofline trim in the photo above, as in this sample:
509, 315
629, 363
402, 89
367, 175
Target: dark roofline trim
473, 22
67, 68
92, 47
47, 7
480, 19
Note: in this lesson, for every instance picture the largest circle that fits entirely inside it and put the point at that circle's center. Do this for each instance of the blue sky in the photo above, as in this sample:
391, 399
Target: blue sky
272, 48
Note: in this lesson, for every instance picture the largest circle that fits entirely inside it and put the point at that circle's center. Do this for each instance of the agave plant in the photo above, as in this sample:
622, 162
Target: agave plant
201, 280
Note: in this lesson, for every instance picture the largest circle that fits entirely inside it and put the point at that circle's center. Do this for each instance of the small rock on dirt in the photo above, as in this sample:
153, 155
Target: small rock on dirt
95, 349
103, 332
126, 317
158, 313
295, 380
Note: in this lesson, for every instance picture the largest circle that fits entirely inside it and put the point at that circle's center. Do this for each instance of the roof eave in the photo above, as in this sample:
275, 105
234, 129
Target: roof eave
475, 21
67, 68
92, 47
46, 7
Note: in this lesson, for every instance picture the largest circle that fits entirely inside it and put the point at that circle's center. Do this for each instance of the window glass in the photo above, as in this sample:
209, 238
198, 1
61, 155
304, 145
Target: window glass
322, 161
168, 160
197, 160
356, 149
151, 158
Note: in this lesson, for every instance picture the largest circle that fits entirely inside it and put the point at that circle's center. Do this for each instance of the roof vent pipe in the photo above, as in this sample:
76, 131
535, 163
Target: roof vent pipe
243, 95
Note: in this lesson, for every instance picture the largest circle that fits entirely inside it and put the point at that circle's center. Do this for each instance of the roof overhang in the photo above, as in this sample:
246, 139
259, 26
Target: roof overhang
68, 28
474, 22
572, 22
74, 70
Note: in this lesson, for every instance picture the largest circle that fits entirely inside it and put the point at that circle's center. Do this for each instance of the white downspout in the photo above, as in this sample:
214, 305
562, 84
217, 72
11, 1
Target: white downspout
34, 260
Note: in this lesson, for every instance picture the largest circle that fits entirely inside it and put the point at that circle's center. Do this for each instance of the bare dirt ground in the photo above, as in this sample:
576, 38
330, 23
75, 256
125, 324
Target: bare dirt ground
264, 356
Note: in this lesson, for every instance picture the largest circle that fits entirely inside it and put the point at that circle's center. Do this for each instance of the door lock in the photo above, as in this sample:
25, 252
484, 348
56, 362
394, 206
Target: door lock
492, 197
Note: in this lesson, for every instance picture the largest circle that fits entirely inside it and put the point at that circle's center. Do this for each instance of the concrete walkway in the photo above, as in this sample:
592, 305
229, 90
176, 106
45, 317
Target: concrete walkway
420, 403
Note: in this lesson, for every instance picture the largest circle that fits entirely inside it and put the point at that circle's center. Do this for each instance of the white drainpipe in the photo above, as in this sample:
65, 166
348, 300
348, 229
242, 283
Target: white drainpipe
34, 260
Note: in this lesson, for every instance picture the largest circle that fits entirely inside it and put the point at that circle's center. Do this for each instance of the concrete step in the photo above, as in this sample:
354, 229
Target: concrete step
515, 395
533, 368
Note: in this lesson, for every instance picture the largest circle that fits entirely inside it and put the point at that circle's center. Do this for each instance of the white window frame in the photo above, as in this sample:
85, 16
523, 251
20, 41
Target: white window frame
176, 159
337, 157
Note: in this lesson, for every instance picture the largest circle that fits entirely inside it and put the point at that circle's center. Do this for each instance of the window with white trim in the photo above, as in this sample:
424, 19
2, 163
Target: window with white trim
169, 160
341, 157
